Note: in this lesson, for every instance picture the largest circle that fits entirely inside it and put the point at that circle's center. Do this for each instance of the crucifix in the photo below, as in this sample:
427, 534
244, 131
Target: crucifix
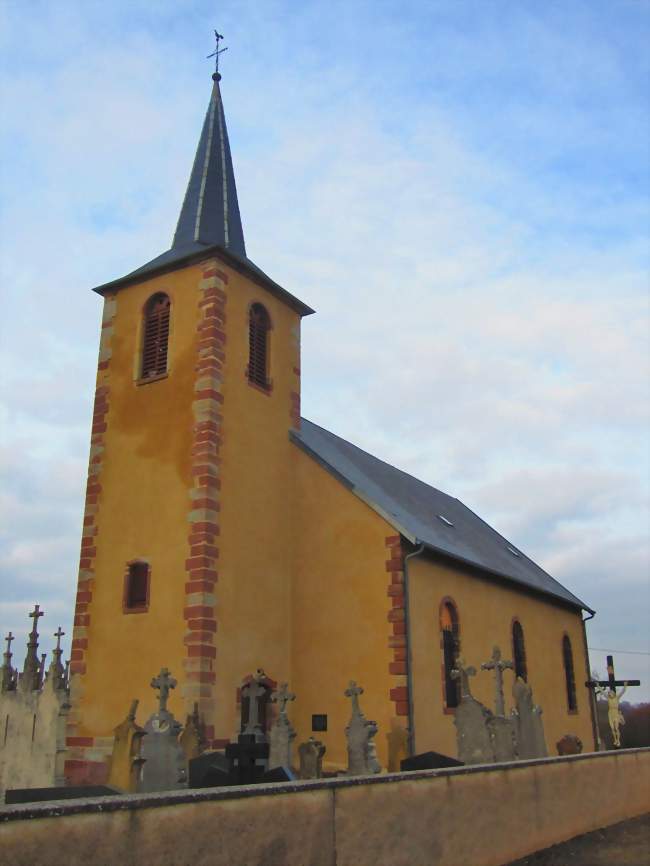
164, 682
216, 53
282, 696
498, 665
462, 673
608, 687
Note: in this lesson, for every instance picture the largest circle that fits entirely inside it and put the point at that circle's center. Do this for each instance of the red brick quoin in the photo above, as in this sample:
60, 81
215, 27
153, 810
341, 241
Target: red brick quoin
397, 641
78, 770
203, 535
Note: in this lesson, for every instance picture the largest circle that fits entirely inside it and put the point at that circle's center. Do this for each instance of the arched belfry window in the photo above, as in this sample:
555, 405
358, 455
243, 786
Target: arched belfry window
155, 340
259, 325
519, 650
450, 649
567, 657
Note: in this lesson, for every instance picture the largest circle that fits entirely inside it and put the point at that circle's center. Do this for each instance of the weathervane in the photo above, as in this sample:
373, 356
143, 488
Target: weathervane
218, 37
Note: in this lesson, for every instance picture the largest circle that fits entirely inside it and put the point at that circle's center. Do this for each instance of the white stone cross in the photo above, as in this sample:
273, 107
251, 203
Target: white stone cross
498, 665
282, 696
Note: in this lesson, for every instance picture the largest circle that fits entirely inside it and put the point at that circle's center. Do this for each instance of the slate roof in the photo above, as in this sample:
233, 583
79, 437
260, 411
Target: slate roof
209, 220
414, 509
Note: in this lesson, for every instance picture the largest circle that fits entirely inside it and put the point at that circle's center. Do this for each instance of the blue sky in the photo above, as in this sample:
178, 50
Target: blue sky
459, 188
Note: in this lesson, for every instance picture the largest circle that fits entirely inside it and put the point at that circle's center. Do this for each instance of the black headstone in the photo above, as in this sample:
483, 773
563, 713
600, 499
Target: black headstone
429, 761
278, 774
38, 795
207, 768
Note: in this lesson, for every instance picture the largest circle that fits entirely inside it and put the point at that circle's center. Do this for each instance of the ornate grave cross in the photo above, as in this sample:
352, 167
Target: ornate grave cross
58, 634
353, 691
609, 687
498, 665
164, 682
8, 673
462, 673
282, 696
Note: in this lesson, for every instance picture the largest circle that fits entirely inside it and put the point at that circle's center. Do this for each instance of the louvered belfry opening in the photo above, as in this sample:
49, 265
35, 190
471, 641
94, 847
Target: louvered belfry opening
450, 649
519, 650
259, 325
156, 336
567, 654
137, 586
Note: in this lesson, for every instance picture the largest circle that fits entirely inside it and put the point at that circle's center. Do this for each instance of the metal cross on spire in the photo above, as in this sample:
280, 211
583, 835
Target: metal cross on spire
35, 615
58, 634
217, 53
9, 638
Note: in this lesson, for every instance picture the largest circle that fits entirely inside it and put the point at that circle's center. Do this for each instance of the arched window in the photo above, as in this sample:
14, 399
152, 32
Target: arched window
155, 340
259, 325
567, 656
450, 649
519, 650
136, 587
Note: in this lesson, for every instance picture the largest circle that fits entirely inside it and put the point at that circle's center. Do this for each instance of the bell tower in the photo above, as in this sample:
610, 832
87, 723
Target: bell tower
185, 550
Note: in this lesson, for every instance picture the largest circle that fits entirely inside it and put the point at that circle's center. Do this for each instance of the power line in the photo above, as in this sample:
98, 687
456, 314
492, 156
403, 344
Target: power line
599, 649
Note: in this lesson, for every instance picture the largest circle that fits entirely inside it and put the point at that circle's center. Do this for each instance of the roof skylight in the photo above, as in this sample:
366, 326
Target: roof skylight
512, 550
444, 520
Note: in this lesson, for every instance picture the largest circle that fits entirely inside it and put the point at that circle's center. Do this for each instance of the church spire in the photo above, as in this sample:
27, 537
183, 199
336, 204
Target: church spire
210, 211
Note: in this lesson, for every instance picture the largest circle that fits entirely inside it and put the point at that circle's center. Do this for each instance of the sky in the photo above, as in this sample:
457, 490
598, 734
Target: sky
459, 188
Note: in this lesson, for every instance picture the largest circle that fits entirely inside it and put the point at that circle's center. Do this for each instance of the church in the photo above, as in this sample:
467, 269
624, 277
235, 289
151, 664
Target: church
223, 533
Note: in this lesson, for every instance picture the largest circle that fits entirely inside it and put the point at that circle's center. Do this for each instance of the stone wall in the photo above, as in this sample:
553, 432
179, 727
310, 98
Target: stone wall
32, 737
483, 815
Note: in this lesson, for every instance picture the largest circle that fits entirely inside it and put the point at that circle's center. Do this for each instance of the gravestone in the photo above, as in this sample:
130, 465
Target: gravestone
502, 738
498, 665
210, 770
126, 759
428, 761
192, 740
255, 696
362, 752
570, 744
282, 732
471, 717
527, 718
311, 759
165, 765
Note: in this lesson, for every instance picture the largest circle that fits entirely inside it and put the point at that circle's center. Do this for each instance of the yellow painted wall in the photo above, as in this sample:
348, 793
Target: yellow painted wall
339, 627
486, 609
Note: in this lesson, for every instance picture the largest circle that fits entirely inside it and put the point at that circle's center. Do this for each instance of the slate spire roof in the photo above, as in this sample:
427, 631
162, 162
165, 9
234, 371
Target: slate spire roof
210, 212
209, 220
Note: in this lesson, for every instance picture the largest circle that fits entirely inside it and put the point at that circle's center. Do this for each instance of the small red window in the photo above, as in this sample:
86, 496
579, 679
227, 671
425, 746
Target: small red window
155, 341
136, 590
259, 325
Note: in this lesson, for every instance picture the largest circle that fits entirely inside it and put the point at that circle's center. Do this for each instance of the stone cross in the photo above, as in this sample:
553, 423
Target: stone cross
57, 672
282, 696
164, 682
35, 615
254, 693
8, 680
498, 665
462, 673
353, 691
